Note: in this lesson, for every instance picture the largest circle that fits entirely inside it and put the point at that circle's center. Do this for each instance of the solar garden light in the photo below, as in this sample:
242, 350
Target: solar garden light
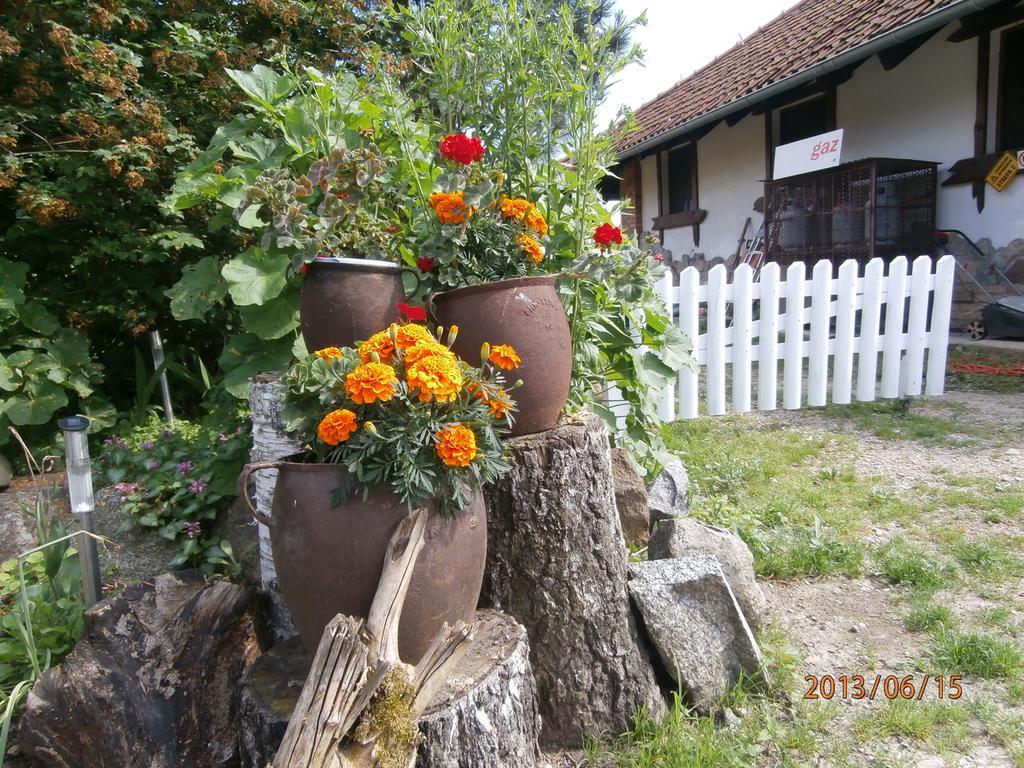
79, 472
157, 347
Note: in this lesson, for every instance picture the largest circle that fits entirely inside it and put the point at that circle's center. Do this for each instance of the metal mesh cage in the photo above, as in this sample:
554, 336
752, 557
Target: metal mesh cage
877, 207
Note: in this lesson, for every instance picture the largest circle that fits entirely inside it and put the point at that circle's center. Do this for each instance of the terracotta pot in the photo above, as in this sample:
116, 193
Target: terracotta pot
348, 300
527, 314
329, 561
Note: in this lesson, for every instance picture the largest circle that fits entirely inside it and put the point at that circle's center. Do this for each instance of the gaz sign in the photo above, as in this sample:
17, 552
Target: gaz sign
1003, 172
1020, 159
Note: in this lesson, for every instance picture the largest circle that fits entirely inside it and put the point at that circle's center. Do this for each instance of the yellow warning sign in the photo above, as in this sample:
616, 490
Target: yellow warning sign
1002, 172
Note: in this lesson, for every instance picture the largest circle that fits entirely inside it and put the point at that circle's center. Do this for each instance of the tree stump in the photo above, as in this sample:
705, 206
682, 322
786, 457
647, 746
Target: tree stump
484, 717
269, 442
151, 683
556, 561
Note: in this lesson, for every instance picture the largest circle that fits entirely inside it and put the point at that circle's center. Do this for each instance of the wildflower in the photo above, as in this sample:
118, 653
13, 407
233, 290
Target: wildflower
533, 250
193, 529
425, 264
536, 222
337, 426
606, 234
436, 376
505, 357
222, 438
456, 445
147, 445
524, 211
370, 382
499, 405
461, 148
184, 467
198, 486
116, 442
450, 207
383, 342
328, 353
152, 464
411, 312
659, 258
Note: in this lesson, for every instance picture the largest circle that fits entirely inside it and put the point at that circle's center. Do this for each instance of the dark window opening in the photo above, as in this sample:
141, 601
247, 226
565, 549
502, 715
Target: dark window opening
806, 119
1011, 90
681, 185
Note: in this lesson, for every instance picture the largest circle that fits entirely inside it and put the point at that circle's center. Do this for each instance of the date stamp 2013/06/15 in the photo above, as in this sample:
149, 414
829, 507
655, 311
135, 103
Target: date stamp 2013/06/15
882, 686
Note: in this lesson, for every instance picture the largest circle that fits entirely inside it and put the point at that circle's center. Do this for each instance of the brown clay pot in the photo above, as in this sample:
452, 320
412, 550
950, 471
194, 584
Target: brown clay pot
329, 561
527, 314
347, 300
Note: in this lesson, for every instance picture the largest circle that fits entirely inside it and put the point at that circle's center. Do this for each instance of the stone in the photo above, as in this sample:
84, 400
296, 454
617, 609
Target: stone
696, 625
6, 472
683, 536
631, 498
151, 683
17, 523
668, 495
556, 561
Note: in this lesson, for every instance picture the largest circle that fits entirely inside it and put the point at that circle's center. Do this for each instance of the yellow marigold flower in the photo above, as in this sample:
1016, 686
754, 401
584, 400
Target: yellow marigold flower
515, 208
436, 376
370, 382
337, 426
450, 207
426, 348
499, 405
328, 353
411, 334
536, 222
505, 357
380, 343
533, 249
456, 445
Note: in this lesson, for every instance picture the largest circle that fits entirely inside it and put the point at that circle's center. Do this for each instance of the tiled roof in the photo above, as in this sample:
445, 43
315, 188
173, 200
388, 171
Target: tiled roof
811, 32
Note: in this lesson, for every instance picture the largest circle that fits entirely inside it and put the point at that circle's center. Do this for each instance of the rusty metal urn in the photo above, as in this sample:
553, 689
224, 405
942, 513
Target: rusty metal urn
329, 560
527, 314
348, 300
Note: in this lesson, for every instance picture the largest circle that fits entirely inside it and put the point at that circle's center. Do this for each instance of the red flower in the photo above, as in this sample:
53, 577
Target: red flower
606, 234
425, 263
412, 313
304, 269
462, 148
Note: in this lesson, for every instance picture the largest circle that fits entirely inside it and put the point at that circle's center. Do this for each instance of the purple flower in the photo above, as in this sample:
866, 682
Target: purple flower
152, 463
126, 489
147, 445
222, 438
192, 529
198, 486
116, 442
184, 467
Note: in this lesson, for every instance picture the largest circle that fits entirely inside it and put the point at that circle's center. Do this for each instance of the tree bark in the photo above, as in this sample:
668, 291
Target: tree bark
556, 561
151, 683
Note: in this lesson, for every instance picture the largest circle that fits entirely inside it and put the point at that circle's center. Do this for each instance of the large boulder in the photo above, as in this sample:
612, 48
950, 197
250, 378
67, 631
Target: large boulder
669, 493
684, 536
630, 498
695, 624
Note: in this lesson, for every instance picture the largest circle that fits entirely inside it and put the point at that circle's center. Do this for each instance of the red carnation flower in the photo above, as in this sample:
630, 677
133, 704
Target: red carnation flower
606, 234
412, 313
462, 148
425, 263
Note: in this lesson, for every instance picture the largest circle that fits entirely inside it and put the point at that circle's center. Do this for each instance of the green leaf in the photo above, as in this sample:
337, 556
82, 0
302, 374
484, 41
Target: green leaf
36, 317
46, 400
254, 277
200, 287
273, 319
263, 85
246, 355
9, 378
69, 348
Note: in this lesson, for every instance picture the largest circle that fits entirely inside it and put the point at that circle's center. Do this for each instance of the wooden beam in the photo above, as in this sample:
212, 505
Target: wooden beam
681, 219
893, 57
981, 114
999, 15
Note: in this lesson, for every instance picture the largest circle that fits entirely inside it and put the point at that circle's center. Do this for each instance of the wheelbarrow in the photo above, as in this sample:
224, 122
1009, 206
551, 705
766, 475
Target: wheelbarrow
999, 318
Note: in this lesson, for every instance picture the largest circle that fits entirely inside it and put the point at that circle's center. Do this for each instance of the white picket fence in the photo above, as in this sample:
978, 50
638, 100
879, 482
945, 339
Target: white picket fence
795, 323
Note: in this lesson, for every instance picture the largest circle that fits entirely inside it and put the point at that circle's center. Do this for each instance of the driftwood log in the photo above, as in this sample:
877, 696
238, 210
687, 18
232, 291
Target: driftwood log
485, 716
151, 683
556, 561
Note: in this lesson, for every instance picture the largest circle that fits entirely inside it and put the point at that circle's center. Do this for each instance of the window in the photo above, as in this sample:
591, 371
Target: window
1010, 131
679, 184
806, 119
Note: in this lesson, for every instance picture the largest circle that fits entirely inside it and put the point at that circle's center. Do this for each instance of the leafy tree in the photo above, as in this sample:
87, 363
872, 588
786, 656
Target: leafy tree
101, 103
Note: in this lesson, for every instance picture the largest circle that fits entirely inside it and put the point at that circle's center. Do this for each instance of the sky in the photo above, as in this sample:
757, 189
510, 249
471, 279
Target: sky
680, 37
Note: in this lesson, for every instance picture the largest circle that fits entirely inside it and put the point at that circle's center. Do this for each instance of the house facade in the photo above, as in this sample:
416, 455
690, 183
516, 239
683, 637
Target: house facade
940, 81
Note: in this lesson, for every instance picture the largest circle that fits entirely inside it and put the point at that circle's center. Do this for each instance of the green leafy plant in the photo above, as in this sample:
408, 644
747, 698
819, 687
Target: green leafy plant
403, 412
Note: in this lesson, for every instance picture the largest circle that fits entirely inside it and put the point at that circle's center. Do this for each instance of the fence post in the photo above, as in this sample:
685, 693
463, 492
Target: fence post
768, 339
938, 339
870, 316
716, 340
667, 406
917, 328
821, 300
689, 306
742, 335
793, 367
846, 310
892, 346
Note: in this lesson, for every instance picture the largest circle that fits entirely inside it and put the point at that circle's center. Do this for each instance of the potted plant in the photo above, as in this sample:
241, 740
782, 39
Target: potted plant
398, 423
484, 250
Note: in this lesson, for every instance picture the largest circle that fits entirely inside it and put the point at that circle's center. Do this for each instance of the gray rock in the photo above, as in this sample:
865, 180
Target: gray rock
683, 536
630, 498
6, 472
669, 493
695, 624
17, 524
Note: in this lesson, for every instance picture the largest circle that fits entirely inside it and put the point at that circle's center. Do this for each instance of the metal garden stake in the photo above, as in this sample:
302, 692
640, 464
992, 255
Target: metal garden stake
79, 471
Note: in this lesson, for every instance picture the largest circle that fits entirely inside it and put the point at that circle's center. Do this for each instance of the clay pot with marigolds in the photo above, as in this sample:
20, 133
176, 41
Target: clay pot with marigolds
525, 314
329, 558
346, 300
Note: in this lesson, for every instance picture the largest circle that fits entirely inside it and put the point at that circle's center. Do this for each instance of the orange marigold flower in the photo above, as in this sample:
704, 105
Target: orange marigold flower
531, 248
380, 343
411, 334
370, 382
436, 376
536, 222
328, 353
505, 357
450, 207
515, 208
500, 405
337, 426
426, 348
456, 445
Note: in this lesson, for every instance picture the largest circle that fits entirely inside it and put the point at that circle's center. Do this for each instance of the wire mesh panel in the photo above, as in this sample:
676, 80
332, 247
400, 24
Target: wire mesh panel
877, 207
